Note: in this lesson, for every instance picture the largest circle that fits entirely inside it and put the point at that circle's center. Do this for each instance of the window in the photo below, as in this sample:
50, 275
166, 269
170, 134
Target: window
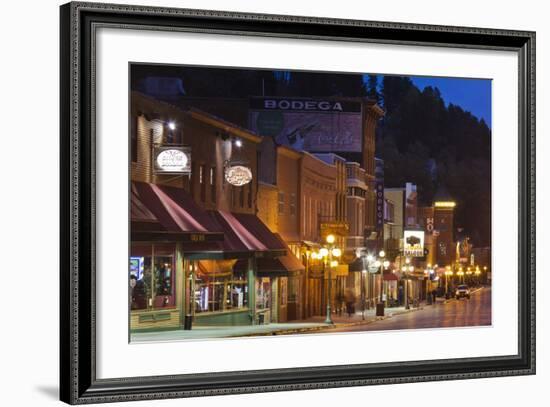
293, 204
214, 292
152, 280
202, 170
220, 294
134, 139
281, 200
213, 184
263, 293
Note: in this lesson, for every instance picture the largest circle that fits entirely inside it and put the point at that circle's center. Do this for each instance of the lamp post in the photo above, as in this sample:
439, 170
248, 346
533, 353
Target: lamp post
427, 273
469, 273
477, 274
460, 273
408, 267
363, 272
448, 273
327, 254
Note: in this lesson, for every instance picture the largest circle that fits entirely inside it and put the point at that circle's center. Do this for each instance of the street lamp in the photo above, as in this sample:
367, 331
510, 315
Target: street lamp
327, 253
460, 273
407, 268
448, 273
477, 273
363, 272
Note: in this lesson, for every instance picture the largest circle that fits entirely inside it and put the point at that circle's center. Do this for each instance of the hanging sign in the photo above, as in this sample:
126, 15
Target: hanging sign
238, 175
414, 243
171, 160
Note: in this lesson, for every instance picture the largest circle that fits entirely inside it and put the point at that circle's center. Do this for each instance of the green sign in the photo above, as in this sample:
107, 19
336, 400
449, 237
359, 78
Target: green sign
270, 123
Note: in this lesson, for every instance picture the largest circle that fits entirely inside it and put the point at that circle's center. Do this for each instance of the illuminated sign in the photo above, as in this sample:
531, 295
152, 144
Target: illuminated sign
238, 175
443, 204
136, 267
172, 160
334, 228
413, 241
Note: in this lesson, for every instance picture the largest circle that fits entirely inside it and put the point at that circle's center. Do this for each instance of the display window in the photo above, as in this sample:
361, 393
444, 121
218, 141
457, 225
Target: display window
152, 277
217, 288
263, 293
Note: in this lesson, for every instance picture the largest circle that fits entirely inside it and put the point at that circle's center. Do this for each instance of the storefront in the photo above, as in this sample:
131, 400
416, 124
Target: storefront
163, 221
191, 267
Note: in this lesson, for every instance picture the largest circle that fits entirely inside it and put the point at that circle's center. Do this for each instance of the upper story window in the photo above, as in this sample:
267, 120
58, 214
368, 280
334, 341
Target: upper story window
213, 184
250, 192
134, 139
281, 200
202, 170
292, 204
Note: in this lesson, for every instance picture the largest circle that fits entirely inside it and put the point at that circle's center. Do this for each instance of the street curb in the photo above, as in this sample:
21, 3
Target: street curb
327, 327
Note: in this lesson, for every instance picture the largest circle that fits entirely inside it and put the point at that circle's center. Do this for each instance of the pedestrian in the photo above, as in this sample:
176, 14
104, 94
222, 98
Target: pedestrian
350, 300
434, 295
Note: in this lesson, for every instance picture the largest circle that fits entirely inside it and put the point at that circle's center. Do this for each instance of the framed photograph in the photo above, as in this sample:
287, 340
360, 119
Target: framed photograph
254, 203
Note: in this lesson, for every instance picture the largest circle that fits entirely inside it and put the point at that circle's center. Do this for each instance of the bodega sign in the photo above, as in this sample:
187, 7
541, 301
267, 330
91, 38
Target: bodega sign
305, 105
171, 160
320, 125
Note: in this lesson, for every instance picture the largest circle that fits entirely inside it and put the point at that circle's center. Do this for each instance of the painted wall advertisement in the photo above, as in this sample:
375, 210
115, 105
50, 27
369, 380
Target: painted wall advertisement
410, 204
413, 243
317, 125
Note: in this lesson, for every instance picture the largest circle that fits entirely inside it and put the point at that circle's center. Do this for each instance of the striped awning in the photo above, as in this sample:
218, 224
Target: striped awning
246, 233
168, 213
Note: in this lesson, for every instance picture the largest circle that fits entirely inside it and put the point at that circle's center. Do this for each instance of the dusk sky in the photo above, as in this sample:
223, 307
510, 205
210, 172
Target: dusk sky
473, 95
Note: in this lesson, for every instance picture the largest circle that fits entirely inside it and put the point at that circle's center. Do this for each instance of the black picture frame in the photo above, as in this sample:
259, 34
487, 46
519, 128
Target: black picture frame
78, 382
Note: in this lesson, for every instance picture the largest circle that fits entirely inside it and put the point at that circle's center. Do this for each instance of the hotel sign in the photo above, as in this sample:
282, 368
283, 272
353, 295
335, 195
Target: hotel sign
171, 160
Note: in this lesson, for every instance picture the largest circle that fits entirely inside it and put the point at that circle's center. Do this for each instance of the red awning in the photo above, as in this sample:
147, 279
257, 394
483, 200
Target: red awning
270, 266
138, 210
169, 213
244, 232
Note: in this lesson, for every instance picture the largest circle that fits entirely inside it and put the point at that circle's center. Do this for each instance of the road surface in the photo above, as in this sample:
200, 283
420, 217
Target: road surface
455, 313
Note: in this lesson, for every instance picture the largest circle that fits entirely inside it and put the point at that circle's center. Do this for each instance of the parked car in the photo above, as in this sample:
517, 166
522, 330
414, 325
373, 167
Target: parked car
462, 291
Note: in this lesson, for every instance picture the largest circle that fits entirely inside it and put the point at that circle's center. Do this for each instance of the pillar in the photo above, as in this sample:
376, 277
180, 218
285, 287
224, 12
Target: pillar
251, 278
180, 284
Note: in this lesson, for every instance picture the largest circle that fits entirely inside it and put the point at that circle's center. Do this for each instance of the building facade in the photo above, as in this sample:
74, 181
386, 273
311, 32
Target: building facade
199, 255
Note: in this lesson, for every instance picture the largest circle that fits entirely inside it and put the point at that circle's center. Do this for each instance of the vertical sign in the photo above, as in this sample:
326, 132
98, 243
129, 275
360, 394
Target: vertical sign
410, 204
379, 204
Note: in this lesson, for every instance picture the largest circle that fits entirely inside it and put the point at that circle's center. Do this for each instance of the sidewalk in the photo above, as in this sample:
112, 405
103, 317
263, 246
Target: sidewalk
316, 323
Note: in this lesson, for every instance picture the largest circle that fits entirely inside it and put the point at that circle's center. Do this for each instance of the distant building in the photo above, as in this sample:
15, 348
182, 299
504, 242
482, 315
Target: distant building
444, 206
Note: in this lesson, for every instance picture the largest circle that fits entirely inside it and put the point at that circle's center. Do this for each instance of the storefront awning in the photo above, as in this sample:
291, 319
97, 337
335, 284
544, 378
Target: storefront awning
274, 266
265, 267
216, 268
247, 233
175, 213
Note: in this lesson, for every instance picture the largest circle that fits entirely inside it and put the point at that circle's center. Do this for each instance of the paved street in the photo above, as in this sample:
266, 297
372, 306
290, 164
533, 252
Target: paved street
455, 313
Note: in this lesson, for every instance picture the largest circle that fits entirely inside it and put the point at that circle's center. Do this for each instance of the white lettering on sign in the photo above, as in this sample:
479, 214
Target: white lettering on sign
172, 160
284, 104
238, 175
